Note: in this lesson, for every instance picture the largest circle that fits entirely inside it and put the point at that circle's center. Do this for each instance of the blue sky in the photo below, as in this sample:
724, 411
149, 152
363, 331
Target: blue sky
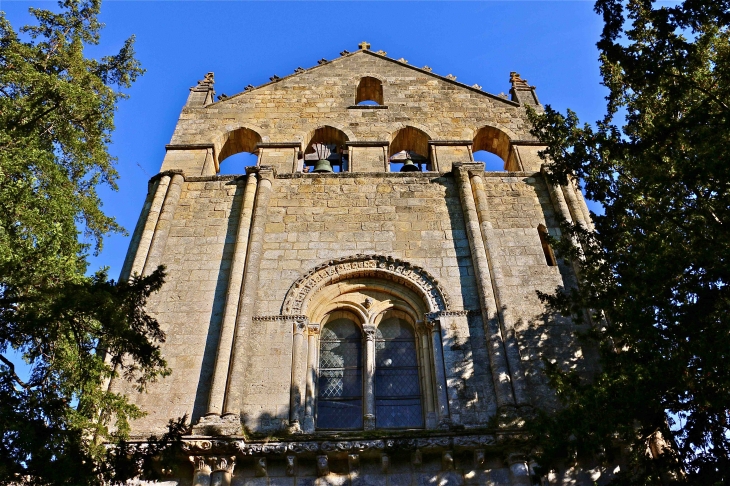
551, 44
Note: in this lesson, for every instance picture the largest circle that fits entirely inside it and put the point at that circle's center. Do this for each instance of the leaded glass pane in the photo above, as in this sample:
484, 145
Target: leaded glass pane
397, 386
339, 403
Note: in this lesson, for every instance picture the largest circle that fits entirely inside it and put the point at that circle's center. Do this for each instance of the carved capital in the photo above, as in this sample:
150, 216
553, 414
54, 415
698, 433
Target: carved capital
447, 460
433, 325
261, 468
300, 327
200, 464
313, 329
369, 332
222, 463
291, 464
369, 421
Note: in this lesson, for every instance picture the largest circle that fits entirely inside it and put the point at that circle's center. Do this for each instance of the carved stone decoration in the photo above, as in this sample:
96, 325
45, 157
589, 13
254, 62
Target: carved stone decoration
197, 445
222, 470
475, 440
404, 61
274, 78
369, 332
417, 458
364, 45
344, 53
206, 83
353, 463
479, 457
518, 82
323, 466
260, 467
322, 61
381, 52
377, 266
291, 465
447, 460
451, 77
428, 69
201, 468
476, 86
384, 463
313, 329
299, 70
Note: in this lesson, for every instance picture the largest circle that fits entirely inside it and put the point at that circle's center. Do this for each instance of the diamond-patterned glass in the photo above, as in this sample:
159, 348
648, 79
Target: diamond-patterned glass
398, 414
339, 403
397, 386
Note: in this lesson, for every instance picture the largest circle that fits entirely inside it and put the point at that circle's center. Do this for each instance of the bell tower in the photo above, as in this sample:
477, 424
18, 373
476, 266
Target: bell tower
360, 305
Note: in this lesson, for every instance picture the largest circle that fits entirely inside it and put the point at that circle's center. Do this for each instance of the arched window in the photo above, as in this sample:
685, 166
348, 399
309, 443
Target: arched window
397, 388
546, 248
409, 151
326, 151
369, 92
339, 397
490, 142
238, 150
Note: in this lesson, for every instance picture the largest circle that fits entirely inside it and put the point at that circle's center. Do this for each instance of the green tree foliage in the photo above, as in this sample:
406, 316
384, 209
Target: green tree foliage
75, 332
658, 264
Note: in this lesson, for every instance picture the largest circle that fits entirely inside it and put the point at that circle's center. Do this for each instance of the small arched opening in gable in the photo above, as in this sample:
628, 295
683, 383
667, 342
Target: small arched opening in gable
369, 92
409, 151
238, 150
492, 146
326, 151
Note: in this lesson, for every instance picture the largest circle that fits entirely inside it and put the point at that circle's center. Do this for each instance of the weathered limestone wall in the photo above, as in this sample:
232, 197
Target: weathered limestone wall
290, 109
313, 218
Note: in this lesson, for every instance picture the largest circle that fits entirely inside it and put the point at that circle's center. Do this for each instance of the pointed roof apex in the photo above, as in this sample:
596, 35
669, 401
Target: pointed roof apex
205, 84
518, 82
365, 46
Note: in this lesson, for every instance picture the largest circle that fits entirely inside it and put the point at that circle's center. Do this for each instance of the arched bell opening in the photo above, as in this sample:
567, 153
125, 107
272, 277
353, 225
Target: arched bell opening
369, 92
493, 147
326, 151
237, 150
409, 151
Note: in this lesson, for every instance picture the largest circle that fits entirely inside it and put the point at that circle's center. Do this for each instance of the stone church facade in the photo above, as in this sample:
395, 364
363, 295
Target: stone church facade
360, 306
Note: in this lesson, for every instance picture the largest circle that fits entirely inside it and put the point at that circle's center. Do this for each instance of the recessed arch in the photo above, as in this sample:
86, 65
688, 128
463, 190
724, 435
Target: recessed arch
411, 139
240, 140
498, 142
369, 89
415, 284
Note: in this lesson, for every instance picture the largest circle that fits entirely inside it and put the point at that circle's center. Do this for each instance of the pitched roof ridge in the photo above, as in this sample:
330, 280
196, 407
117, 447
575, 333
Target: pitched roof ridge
346, 54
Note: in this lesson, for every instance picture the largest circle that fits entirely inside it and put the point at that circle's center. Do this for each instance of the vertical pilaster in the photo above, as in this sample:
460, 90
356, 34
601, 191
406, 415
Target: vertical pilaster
426, 358
519, 385
490, 316
236, 377
148, 231
298, 378
233, 295
311, 379
162, 229
369, 370
138, 230
575, 206
442, 399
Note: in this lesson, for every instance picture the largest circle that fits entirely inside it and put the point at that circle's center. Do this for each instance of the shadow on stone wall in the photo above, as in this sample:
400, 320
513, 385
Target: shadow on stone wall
200, 406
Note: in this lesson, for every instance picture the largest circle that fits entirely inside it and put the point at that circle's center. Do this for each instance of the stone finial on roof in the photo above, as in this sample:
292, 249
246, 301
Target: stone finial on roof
274, 78
344, 53
404, 61
381, 52
365, 46
322, 61
476, 86
517, 81
206, 83
427, 69
299, 70
451, 77
249, 87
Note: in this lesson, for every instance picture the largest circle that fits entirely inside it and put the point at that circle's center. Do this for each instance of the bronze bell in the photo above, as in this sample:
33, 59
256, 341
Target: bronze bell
409, 166
323, 165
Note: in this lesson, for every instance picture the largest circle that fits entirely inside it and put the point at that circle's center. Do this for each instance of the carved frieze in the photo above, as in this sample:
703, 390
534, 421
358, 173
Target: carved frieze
356, 266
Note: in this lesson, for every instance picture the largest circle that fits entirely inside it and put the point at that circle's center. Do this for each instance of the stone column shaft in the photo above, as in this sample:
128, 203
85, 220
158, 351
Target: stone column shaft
138, 230
490, 317
427, 367
576, 209
201, 471
519, 384
249, 290
369, 370
148, 231
442, 399
298, 378
311, 378
233, 295
162, 229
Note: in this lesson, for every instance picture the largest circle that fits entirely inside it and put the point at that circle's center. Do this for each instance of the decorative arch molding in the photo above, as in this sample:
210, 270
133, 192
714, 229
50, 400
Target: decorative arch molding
365, 266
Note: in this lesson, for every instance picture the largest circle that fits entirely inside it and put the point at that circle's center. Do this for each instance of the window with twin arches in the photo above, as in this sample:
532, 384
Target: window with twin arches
370, 373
